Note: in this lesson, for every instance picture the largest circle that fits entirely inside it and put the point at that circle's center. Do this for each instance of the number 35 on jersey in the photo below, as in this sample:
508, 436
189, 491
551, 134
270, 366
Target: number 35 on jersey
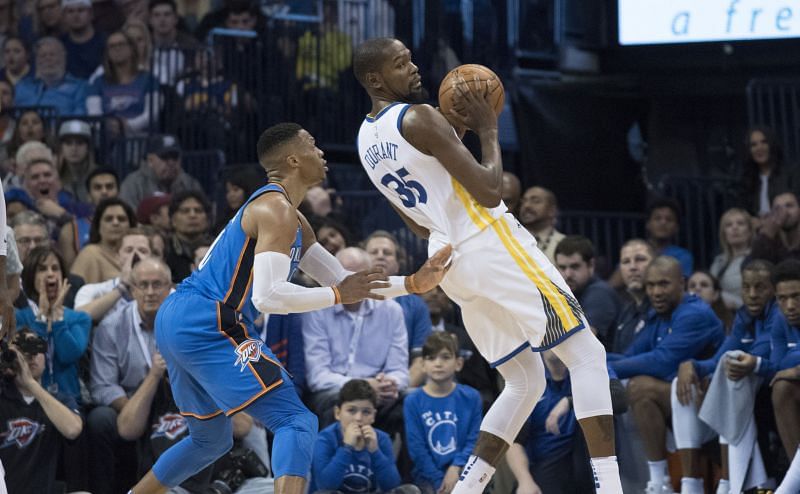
411, 192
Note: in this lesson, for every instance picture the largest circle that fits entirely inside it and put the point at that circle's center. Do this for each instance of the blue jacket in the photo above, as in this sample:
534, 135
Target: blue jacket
338, 467
749, 334
68, 96
441, 431
785, 349
664, 343
683, 256
68, 341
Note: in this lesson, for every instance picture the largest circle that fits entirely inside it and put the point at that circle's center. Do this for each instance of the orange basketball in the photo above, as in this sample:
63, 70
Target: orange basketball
468, 72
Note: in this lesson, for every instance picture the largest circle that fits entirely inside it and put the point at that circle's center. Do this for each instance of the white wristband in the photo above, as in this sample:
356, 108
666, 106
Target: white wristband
397, 289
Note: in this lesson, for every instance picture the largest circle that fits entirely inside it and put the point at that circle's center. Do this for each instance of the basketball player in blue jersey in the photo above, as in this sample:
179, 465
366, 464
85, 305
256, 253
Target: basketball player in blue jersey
216, 363
512, 298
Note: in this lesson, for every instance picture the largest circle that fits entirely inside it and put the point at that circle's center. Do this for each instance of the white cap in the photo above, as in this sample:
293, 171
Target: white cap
75, 128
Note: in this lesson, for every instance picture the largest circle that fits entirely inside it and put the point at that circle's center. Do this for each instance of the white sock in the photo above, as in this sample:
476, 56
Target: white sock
724, 486
474, 477
606, 475
658, 471
791, 482
691, 485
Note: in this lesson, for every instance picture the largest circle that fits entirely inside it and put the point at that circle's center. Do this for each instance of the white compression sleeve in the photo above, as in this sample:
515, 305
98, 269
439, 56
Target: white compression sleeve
272, 294
397, 289
323, 266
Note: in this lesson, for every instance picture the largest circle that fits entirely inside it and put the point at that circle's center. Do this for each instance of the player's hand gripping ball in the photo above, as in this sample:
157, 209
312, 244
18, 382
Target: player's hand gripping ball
468, 72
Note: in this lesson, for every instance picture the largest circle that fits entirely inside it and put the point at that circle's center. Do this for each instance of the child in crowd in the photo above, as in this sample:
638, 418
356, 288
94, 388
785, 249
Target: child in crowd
352, 456
442, 418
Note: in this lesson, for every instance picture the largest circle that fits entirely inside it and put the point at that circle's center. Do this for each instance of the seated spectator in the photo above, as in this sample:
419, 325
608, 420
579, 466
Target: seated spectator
140, 34
46, 18
30, 231
663, 222
29, 127
707, 287
189, 213
35, 421
52, 85
172, 45
351, 455
100, 299
84, 44
16, 60
751, 336
123, 350
324, 53
192, 12
161, 172
101, 184
601, 305
735, 238
442, 418
331, 234
383, 249
283, 334
538, 212
765, 174
124, 90
680, 327
511, 192
365, 340
634, 257
134, 9
99, 260
154, 211
75, 157
7, 124
66, 330
240, 183
779, 235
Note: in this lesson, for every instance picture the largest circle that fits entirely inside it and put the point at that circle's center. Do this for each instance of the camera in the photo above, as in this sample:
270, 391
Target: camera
26, 345
233, 469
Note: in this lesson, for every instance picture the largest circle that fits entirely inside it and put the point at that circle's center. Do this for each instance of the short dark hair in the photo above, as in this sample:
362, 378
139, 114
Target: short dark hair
155, 3
275, 136
576, 244
368, 57
31, 265
356, 389
758, 265
179, 197
240, 7
102, 171
94, 231
438, 341
788, 270
665, 202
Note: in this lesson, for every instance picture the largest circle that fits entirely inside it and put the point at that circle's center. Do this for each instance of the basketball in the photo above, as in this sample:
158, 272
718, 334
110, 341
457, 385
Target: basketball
468, 72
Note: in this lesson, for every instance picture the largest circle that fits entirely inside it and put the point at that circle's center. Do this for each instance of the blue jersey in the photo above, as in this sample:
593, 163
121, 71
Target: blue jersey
226, 272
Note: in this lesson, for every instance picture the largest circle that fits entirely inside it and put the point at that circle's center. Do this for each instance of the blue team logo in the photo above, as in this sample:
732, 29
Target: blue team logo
248, 351
357, 479
442, 431
21, 432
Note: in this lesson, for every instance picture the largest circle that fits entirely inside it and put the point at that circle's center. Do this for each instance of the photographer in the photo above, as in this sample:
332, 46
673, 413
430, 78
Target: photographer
32, 421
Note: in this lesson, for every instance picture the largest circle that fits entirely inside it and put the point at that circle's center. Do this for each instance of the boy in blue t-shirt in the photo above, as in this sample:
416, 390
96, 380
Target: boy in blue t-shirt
442, 418
352, 456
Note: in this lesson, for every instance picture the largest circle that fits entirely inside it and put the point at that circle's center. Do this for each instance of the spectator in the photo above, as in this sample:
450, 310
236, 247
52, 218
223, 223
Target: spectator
172, 45
600, 303
351, 455
764, 172
705, 286
75, 157
189, 213
331, 234
46, 19
283, 333
101, 183
161, 172
7, 125
663, 221
100, 299
323, 53
538, 212
735, 239
34, 420
134, 9
191, 12
779, 236
84, 45
680, 327
123, 350
52, 85
30, 231
124, 90
365, 340
140, 34
511, 191
240, 183
442, 418
99, 260
66, 330
384, 251
154, 211
16, 60
634, 257
9, 20
29, 128
158, 241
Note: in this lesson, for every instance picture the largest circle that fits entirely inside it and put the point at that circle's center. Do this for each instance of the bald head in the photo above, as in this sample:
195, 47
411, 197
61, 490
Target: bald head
664, 284
668, 265
151, 265
511, 191
354, 259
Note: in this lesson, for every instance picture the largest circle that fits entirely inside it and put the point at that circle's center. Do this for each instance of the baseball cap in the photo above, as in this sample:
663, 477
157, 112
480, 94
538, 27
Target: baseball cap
150, 205
75, 128
76, 3
163, 144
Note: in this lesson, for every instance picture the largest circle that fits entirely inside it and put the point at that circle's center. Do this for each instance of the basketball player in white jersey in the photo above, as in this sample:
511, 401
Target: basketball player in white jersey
512, 298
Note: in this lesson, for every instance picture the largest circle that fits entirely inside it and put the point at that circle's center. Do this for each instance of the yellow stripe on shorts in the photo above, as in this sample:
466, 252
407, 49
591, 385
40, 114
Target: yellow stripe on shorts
481, 217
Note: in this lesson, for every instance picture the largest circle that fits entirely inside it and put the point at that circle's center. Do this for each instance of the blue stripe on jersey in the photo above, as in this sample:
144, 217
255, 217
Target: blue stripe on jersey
380, 113
400, 119
226, 272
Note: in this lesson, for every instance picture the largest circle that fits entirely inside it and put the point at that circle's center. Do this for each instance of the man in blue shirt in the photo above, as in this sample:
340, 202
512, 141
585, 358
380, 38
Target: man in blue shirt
634, 257
83, 43
663, 222
679, 327
52, 85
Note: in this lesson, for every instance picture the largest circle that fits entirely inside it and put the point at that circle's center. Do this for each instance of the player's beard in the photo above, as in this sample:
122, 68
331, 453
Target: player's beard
417, 96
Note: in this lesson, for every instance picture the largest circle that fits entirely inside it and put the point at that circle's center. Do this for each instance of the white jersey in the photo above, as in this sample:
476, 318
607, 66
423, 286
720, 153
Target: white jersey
416, 183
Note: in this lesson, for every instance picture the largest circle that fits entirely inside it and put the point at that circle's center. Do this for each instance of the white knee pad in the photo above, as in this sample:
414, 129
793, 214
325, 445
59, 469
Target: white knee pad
690, 432
585, 357
524, 385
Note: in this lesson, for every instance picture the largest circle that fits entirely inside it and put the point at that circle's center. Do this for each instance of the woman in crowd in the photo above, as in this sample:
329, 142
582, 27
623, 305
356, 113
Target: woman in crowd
735, 238
75, 159
29, 127
16, 59
8, 20
140, 34
7, 122
764, 174
66, 331
98, 261
239, 186
331, 234
706, 286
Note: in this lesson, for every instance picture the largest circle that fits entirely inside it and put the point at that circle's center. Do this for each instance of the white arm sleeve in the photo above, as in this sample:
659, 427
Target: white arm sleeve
397, 289
272, 294
323, 266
